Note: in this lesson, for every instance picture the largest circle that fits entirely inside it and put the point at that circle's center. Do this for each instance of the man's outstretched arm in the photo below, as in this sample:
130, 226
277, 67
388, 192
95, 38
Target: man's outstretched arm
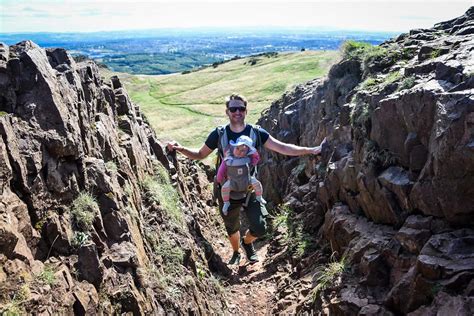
290, 149
195, 154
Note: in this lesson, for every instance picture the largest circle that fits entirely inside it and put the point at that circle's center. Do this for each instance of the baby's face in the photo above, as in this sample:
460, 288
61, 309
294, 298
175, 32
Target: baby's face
241, 151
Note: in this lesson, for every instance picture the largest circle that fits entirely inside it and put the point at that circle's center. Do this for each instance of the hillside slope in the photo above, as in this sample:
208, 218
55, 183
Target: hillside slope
195, 100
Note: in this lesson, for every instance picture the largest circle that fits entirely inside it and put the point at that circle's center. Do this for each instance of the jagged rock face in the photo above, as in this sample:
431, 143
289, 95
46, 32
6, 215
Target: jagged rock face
65, 131
396, 195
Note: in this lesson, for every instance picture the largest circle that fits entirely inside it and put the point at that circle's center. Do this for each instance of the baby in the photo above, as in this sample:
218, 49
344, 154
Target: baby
235, 170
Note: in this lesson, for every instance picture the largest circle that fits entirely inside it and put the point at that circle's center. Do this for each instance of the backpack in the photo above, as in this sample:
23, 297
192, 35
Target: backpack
222, 145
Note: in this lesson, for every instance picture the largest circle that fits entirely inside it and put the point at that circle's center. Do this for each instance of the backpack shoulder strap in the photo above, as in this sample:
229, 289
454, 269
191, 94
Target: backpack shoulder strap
255, 136
222, 140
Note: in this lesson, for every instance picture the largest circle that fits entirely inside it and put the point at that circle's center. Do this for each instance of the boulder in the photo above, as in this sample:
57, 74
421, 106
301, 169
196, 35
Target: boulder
89, 266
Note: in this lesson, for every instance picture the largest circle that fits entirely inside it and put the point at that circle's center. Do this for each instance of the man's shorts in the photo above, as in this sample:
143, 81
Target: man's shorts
255, 212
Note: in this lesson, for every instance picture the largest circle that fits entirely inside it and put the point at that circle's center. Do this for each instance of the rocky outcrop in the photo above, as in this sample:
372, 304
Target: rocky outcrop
395, 198
89, 219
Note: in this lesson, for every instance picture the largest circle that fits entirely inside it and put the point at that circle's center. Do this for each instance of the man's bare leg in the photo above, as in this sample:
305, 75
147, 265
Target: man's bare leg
235, 241
249, 238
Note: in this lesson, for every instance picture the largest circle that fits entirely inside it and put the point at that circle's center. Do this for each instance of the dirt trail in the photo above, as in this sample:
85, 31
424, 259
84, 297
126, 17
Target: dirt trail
251, 289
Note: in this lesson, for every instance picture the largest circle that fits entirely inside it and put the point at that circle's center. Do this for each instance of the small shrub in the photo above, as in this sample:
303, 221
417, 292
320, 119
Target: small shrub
3, 113
354, 50
80, 239
377, 158
408, 53
407, 83
84, 211
435, 53
252, 61
201, 273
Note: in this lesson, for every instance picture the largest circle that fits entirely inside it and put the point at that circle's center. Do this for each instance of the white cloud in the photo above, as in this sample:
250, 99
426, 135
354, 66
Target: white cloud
75, 15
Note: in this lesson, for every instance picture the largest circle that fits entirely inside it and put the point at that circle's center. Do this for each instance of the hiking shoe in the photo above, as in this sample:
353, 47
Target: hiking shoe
249, 251
325, 149
235, 258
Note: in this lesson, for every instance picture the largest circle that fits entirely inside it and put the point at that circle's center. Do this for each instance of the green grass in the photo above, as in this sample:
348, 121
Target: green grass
328, 275
47, 276
407, 83
84, 210
158, 189
111, 166
186, 107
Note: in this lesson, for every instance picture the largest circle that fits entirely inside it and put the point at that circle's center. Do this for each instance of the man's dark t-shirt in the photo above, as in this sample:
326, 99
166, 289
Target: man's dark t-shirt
213, 138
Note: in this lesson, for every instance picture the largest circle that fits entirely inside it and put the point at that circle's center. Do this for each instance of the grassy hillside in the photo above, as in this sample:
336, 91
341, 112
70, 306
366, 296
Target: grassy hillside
186, 107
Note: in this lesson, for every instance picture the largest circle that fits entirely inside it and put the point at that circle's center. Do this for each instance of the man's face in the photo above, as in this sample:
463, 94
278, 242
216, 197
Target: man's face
241, 151
236, 114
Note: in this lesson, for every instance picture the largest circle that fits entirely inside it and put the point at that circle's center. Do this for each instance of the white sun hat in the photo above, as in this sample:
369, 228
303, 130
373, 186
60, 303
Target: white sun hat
244, 140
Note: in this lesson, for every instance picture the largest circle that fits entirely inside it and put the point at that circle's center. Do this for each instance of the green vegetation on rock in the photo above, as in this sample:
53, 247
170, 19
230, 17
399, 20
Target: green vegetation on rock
159, 190
84, 210
328, 275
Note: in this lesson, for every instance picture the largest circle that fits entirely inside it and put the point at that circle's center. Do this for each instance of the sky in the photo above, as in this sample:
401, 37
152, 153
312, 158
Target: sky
107, 15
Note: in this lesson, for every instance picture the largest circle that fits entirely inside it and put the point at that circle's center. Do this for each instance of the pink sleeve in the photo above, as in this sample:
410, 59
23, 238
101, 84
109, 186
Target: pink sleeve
254, 158
222, 172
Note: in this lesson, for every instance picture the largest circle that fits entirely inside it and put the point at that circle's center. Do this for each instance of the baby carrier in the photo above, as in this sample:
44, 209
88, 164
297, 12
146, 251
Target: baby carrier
241, 171
238, 172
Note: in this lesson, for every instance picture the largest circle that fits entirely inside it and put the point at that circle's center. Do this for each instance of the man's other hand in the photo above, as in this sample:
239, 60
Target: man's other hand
173, 145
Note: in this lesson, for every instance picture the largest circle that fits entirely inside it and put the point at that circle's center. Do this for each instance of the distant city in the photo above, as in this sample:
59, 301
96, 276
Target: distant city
178, 50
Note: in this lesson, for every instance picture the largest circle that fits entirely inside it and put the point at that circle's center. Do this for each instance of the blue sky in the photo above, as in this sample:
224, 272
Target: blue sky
107, 15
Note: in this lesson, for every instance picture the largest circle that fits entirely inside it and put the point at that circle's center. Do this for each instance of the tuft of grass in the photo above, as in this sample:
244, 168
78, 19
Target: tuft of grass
47, 276
377, 158
407, 83
159, 190
435, 53
360, 115
111, 166
369, 83
354, 50
392, 77
161, 173
84, 210
328, 275
3, 113
171, 254
300, 242
14, 307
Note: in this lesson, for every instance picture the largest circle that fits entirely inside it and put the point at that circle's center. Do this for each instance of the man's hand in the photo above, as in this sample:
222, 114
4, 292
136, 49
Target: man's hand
315, 150
173, 145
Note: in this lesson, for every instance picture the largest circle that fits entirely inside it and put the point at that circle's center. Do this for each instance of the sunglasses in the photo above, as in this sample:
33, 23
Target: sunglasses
240, 108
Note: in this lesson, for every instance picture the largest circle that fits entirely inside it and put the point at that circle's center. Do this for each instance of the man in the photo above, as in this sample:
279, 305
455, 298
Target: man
236, 110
